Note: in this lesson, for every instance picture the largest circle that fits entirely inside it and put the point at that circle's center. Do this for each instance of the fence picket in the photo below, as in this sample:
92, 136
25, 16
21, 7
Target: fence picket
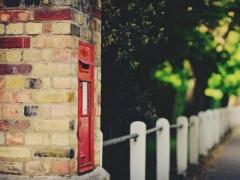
203, 134
163, 149
138, 151
182, 145
194, 140
205, 130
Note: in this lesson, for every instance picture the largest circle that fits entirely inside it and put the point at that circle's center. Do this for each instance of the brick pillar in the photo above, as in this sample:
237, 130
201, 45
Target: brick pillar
39, 84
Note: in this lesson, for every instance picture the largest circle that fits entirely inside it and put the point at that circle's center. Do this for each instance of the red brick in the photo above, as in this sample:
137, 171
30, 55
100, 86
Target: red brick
14, 138
60, 167
14, 42
52, 14
6, 125
15, 69
14, 16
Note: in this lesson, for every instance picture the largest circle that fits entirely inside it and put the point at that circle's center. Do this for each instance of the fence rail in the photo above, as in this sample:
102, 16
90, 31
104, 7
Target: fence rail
119, 140
195, 136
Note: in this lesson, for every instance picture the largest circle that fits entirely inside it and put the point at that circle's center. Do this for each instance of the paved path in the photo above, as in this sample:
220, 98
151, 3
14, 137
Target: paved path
225, 162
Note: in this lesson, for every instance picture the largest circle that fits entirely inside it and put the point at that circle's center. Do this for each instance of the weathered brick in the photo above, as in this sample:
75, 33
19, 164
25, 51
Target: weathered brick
34, 138
37, 83
61, 28
2, 29
53, 69
52, 14
42, 41
47, 166
34, 28
1, 110
23, 96
10, 152
14, 15
65, 28
34, 167
54, 41
79, 17
2, 56
61, 110
14, 138
73, 140
12, 110
60, 139
15, 69
19, 124
53, 153
2, 83
60, 167
8, 125
47, 27
2, 138
64, 82
52, 97
65, 55
7, 96
64, 41
14, 55
15, 82
14, 167
14, 42
47, 125
47, 54
15, 28
31, 55
4, 125
30, 111
33, 83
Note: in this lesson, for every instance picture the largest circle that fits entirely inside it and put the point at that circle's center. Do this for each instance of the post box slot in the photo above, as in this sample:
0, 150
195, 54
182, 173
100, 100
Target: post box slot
84, 67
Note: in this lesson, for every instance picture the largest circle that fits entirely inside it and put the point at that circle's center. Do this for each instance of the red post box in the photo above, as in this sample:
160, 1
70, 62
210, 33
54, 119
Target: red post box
85, 107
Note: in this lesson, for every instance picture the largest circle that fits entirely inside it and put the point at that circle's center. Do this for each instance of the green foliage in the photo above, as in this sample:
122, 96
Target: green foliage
176, 78
151, 49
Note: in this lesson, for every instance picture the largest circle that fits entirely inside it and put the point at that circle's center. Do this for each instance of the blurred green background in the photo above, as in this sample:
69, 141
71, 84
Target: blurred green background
164, 58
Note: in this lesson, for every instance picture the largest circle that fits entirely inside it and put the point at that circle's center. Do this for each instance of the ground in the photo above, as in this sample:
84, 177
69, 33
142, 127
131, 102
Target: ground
224, 161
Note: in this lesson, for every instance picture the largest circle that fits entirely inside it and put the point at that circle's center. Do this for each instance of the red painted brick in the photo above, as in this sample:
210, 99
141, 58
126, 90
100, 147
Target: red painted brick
15, 69
52, 14
14, 16
14, 42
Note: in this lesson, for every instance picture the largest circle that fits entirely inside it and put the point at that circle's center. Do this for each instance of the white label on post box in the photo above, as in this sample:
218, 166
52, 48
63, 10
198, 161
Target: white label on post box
84, 98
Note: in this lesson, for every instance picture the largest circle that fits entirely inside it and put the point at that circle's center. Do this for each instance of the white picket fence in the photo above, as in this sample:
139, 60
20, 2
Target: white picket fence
196, 136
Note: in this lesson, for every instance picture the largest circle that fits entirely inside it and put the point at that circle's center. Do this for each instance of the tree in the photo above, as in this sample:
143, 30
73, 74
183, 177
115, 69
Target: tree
152, 49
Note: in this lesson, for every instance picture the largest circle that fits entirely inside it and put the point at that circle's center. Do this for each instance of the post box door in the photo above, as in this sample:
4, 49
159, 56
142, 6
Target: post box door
85, 109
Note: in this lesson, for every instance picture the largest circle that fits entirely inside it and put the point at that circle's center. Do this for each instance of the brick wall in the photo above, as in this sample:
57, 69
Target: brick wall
38, 85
